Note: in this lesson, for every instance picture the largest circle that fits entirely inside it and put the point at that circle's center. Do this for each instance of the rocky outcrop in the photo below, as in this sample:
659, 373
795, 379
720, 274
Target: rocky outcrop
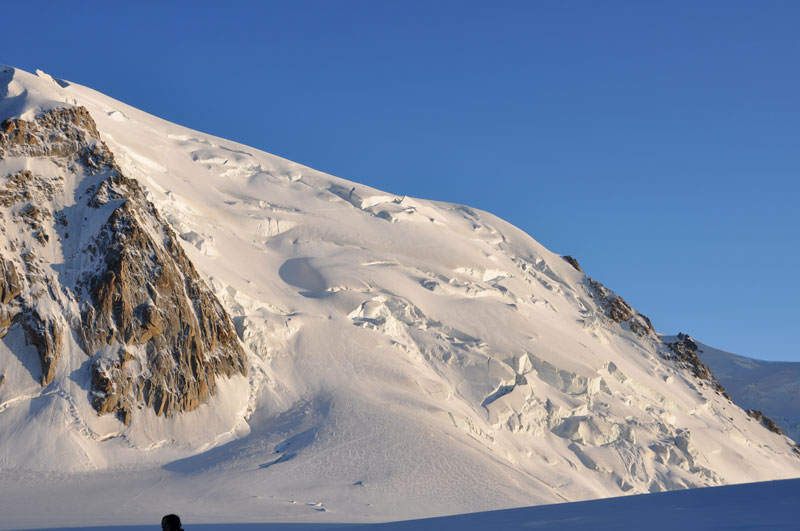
6, 318
149, 299
10, 281
16, 305
620, 311
46, 335
684, 352
57, 133
766, 421
43, 332
157, 335
10, 289
573, 262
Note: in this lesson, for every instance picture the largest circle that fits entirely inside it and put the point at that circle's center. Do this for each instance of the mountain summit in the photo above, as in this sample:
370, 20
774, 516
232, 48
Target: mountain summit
253, 339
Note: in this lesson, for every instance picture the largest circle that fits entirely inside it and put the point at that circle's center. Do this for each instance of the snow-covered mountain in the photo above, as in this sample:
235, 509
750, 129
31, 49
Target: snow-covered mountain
245, 338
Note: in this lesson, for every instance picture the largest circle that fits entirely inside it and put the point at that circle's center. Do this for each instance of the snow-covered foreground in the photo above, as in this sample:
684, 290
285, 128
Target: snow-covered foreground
405, 358
753, 506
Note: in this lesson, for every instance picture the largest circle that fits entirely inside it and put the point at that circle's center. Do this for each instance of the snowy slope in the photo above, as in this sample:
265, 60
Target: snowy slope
753, 506
772, 387
406, 358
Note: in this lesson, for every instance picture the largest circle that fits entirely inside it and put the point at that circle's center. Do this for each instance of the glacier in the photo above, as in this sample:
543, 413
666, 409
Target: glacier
405, 358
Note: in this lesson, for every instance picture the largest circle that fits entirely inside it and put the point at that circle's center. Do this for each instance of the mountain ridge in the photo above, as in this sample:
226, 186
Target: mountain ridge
766, 387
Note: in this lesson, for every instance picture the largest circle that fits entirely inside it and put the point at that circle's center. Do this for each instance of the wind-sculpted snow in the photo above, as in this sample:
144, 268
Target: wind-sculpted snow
404, 357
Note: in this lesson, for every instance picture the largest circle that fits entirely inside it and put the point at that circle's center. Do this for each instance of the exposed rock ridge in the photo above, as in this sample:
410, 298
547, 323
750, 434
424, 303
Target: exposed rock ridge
19, 294
766, 421
617, 309
10, 288
573, 262
57, 133
23, 279
684, 351
157, 334
63, 136
170, 333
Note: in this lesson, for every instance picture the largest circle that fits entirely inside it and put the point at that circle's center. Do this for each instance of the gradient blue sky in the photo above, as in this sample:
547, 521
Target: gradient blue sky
657, 142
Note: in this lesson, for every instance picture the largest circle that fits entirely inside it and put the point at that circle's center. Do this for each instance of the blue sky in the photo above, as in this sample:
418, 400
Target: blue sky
657, 142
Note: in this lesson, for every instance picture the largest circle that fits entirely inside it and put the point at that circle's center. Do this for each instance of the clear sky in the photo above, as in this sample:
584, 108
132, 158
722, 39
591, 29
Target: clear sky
657, 142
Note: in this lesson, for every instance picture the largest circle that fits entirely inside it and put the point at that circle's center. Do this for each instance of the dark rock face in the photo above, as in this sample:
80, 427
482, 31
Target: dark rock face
573, 262
157, 335
10, 289
766, 421
46, 335
149, 295
10, 282
56, 133
620, 311
17, 300
684, 352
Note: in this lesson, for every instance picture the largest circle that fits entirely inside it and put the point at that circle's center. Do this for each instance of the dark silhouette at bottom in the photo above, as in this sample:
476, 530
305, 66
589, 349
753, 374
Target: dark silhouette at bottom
171, 522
